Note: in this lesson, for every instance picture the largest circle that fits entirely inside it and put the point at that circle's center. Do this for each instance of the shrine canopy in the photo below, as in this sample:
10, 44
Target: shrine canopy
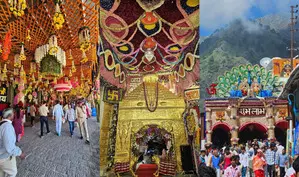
246, 81
47, 40
141, 37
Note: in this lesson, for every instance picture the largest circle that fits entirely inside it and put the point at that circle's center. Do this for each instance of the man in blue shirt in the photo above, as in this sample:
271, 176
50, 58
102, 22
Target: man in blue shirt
58, 114
282, 161
8, 148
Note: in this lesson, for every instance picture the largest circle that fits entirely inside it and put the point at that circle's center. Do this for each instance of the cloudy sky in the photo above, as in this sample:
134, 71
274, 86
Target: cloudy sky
217, 13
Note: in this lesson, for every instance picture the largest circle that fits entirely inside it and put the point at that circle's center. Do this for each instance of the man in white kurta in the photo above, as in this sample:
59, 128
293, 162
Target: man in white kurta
58, 114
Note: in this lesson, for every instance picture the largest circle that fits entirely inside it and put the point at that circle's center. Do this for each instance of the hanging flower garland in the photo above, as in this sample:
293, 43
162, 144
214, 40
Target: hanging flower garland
58, 18
6, 46
150, 89
84, 58
22, 56
84, 39
17, 7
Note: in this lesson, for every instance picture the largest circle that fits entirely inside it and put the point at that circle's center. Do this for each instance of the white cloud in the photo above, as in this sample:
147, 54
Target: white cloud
216, 13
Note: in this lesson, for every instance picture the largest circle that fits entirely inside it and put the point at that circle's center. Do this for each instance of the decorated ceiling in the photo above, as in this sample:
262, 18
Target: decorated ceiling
27, 25
141, 37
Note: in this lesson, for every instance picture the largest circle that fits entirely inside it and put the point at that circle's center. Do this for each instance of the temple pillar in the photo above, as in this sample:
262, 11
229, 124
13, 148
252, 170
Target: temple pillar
234, 131
208, 126
270, 119
10, 94
106, 115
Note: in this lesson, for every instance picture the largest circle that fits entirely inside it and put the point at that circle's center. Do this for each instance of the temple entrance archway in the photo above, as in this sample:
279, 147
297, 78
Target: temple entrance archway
221, 135
151, 140
252, 130
281, 131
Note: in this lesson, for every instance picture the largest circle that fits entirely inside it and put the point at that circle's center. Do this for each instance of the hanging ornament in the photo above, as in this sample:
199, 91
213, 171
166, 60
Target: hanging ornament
32, 67
82, 75
84, 58
84, 39
28, 37
16, 72
47, 83
55, 80
17, 62
33, 78
22, 73
73, 67
6, 46
3, 77
17, 7
58, 18
71, 56
53, 46
70, 73
22, 56
4, 69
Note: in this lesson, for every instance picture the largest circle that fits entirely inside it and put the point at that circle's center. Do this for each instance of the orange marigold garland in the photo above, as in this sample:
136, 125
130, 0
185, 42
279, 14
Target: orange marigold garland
6, 46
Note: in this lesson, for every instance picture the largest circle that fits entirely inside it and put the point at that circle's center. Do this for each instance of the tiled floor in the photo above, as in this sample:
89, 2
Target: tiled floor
54, 156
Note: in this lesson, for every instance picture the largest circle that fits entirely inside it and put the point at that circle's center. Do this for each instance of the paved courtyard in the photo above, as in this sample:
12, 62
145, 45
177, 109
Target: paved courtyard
54, 156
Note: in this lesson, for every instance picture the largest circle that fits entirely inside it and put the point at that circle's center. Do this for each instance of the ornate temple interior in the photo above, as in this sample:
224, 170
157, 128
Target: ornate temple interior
149, 67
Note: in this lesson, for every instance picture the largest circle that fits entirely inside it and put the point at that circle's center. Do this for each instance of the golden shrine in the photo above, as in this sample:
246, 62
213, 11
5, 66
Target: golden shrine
149, 64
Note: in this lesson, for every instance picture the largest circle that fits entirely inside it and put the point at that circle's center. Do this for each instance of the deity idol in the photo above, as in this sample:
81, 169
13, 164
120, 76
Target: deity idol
286, 71
256, 88
244, 86
168, 142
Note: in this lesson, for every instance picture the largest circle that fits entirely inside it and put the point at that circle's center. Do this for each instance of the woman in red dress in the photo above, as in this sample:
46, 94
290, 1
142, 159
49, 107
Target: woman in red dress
18, 120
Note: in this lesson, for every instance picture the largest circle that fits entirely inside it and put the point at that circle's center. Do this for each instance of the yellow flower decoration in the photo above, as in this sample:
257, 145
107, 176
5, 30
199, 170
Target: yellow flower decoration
85, 46
53, 50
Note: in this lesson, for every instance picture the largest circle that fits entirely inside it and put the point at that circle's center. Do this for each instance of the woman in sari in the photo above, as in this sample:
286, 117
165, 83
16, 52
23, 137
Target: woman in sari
18, 120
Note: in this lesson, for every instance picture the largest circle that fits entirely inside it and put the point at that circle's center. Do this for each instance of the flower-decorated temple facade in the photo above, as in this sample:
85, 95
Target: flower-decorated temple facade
244, 106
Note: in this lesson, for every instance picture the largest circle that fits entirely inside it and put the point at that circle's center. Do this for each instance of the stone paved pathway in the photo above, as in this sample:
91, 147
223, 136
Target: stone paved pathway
54, 156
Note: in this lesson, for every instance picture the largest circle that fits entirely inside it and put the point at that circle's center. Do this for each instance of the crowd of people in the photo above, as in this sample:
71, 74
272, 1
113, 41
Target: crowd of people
253, 159
12, 127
